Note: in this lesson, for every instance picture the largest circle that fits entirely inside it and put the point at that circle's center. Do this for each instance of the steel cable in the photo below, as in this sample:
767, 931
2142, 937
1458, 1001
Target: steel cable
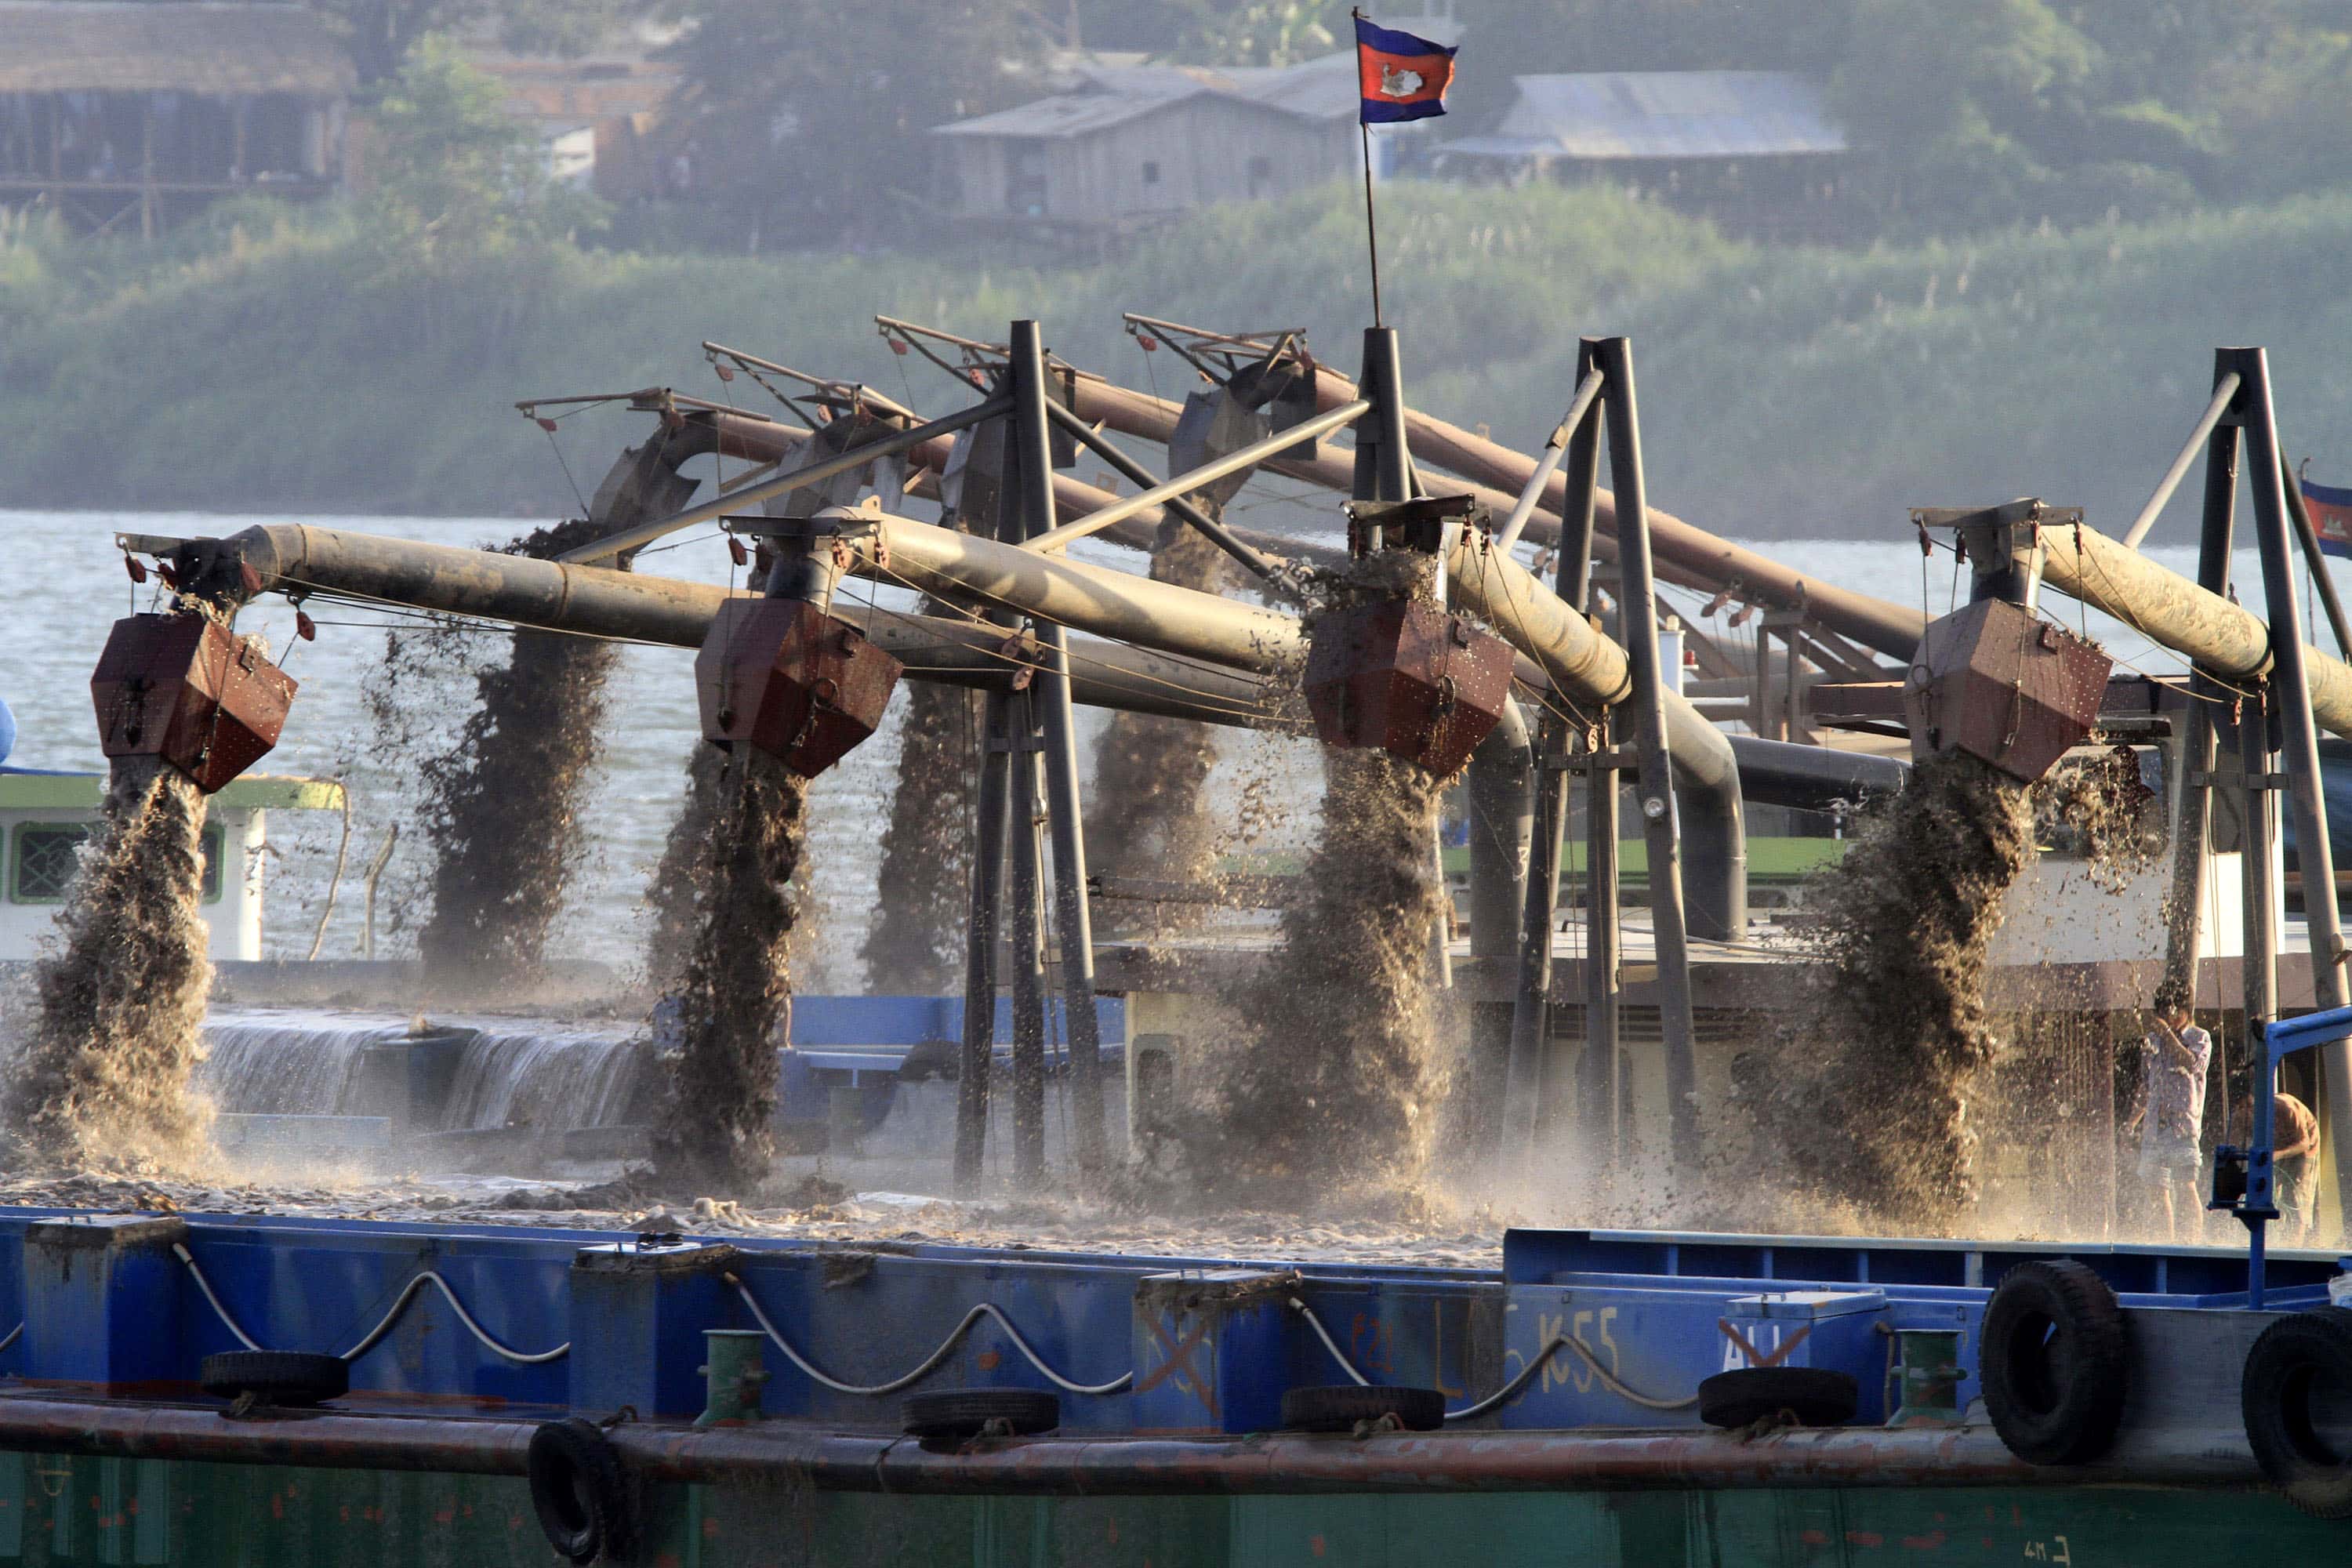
930, 1363
369, 1341
1519, 1379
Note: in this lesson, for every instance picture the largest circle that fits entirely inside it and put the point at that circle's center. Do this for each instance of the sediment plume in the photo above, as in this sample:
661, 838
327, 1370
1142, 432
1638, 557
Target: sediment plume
100, 1079
676, 888
1147, 808
500, 807
714, 1133
1336, 1091
915, 943
1869, 1102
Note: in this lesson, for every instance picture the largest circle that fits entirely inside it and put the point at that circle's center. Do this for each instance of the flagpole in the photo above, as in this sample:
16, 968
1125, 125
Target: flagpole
1371, 225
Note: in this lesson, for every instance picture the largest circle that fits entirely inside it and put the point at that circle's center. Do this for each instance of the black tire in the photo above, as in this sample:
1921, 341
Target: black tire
579, 1492
959, 1414
1815, 1395
1339, 1407
2053, 1359
276, 1377
2296, 1396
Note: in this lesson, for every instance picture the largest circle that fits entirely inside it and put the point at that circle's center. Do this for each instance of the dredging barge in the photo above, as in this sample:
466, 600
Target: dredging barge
661, 1399
400, 1392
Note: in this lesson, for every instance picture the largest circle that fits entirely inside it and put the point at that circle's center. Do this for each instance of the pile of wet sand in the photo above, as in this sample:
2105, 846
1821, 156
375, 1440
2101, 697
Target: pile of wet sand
796, 1208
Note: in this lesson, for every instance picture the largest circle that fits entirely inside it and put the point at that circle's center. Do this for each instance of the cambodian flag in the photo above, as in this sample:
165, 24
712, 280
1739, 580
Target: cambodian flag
1404, 76
2331, 516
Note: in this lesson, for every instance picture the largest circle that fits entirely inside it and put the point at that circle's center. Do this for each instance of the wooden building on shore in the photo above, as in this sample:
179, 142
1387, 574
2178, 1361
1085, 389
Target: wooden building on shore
122, 115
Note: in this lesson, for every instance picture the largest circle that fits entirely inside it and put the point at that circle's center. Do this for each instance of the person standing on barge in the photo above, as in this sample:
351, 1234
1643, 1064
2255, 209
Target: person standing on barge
2174, 1057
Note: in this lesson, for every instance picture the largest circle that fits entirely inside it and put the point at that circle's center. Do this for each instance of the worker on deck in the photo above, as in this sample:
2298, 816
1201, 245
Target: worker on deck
2174, 1057
2294, 1136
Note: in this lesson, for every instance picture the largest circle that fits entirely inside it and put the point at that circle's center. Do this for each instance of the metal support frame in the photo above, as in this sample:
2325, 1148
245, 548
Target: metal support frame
742, 496
1580, 444
1599, 1095
1024, 952
2192, 829
1072, 918
1588, 391
1383, 461
2299, 740
1384, 473
1259, 564
1648, 709
1783, 720
2225, 392
2258, 968
2258, 1205
979, 1056
1172, 489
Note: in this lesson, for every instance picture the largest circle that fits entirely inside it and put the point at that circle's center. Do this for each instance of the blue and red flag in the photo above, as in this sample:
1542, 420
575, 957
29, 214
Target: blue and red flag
2331, 516
1404, 76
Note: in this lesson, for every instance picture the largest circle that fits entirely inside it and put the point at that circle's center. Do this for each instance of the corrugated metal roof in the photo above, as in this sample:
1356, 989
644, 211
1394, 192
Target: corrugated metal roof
1321, 89
1604, 115
105, 45
1093, 108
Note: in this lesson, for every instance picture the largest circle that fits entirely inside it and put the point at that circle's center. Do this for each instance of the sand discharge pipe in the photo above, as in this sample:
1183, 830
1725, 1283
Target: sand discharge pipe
598, 602
1584, 666
1588, 669
2223, 638
1686, 553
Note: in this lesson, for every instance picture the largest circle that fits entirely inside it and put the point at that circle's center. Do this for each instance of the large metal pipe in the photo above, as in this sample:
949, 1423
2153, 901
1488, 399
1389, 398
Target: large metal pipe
1115, 605
597, 601
1890, 629
719, 506
1813, 778
1686, 554
1588, 670
1149, 418
756, 439
2218, 635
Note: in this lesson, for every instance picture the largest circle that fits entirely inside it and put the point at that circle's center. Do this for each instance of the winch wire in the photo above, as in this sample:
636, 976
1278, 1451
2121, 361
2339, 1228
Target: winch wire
930, 1363
369, 1341
1519, 1379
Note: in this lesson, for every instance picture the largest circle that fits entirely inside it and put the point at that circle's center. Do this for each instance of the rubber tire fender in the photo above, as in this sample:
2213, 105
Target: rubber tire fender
579, 1492
2053, 1359
1815, 1395
278, 1378
1337, 1407
2275, 1395
959, 1414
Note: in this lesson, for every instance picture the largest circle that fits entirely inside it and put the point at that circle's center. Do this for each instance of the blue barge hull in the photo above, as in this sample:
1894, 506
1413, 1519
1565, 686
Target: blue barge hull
1170, 1374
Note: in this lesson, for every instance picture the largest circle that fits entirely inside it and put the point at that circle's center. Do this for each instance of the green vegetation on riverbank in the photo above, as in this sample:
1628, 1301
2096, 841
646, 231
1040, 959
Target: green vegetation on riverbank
267, 360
